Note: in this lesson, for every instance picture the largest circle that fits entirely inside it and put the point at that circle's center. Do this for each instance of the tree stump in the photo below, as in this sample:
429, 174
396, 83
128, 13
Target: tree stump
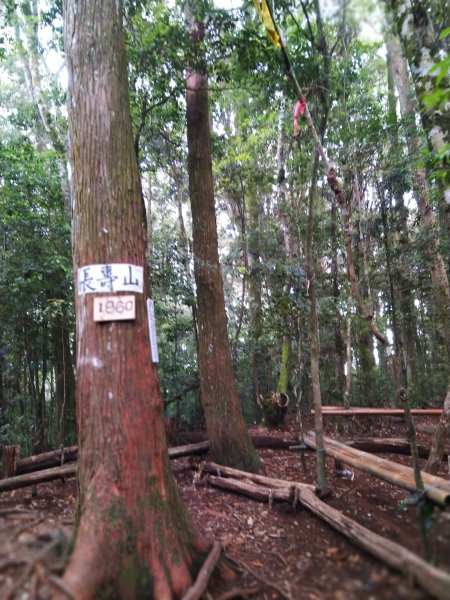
274, 408
10, 456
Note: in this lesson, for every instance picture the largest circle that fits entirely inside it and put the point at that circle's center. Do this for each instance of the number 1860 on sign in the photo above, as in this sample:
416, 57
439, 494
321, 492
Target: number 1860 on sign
114, 308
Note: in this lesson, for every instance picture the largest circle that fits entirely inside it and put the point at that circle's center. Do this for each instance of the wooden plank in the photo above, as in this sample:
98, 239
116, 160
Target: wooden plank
368, 411
437, 489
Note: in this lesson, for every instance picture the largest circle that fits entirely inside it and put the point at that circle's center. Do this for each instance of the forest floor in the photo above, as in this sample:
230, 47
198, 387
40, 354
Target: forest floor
278, 552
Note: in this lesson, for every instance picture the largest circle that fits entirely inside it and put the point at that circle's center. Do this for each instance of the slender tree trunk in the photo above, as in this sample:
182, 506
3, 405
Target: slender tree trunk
398, 342
283, 379
187, 248
230, 442
366, 311
322, 482
2, 387
438, 273
134, 538
359, 259
255, 294
348, 356
406, 341
338, 340
148, 201
64, 382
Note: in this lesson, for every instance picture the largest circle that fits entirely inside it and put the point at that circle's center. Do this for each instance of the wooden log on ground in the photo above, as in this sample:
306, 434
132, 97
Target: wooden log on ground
272, 441
253, 490
10, 456
270, 482
390, 445
47, 460
432, 580
259, 440
373, 412
14, 483
188, 450
436, 488
40, 476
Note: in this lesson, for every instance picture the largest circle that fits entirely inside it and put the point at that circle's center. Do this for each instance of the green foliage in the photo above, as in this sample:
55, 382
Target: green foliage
35, 284
438, 98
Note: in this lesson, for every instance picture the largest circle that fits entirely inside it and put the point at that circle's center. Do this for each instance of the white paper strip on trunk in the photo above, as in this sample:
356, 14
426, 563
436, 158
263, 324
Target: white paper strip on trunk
115, 277
152, 330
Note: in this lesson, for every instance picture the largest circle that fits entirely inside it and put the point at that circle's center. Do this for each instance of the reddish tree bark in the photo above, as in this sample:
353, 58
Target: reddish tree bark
134, 538
227, 432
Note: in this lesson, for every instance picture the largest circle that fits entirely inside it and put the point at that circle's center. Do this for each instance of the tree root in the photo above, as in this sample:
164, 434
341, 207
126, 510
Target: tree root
196, 591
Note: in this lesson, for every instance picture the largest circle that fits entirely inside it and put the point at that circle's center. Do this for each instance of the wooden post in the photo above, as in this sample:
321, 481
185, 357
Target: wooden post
10, 456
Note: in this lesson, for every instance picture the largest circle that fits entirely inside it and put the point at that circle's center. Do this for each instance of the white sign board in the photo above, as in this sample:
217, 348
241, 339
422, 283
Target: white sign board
116, 277
152, 330
114, 308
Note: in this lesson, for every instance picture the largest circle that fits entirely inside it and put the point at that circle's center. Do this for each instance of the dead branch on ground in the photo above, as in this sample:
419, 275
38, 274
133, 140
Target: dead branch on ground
195, 592
431, 579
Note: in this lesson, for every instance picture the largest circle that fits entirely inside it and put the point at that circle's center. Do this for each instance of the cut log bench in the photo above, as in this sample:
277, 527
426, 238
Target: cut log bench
367, 411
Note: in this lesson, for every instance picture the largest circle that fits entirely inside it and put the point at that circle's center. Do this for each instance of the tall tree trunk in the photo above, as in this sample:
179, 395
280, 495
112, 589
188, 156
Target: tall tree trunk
322, 482
64, 382
134, 538
367, 365
359, 259
283, 379
366, 311
438, 274
398, 341
228, 436
338, 340
187, 249
348, 355
260, 386
406, 341
420, 39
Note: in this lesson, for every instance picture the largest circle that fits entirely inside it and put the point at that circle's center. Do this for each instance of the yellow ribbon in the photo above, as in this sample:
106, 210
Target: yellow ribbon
264, 12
